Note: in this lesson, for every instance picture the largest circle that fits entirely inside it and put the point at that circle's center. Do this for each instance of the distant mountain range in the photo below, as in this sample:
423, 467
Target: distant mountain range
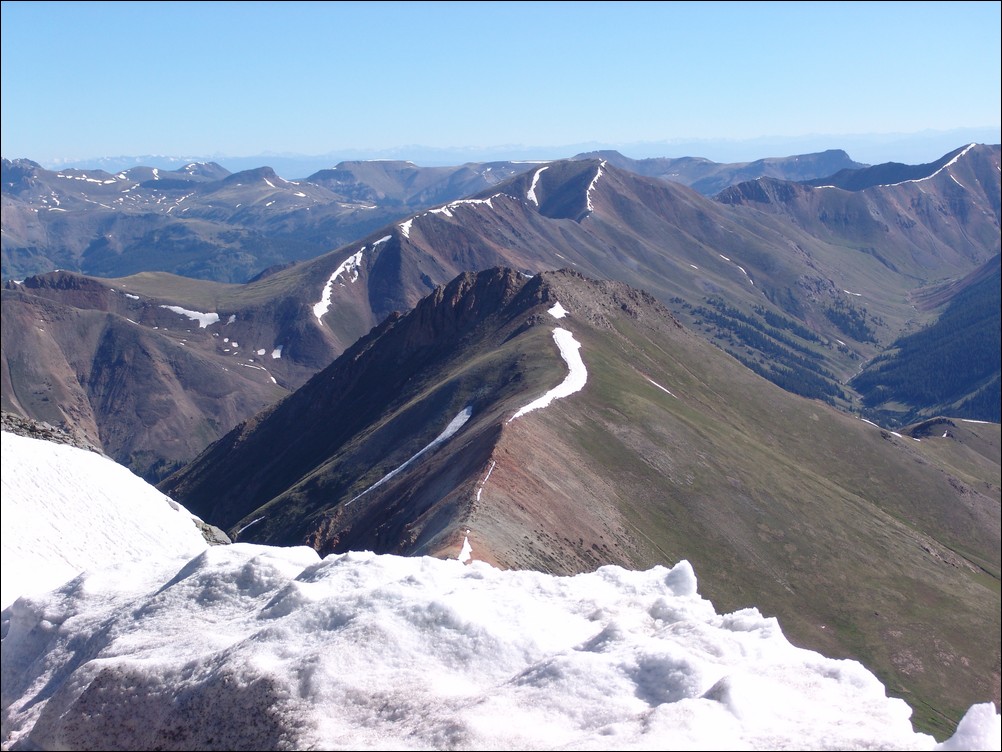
703, 364
802, 284
873, 148
201, 221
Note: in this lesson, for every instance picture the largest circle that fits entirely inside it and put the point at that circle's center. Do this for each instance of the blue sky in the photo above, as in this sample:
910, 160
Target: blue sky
89, 79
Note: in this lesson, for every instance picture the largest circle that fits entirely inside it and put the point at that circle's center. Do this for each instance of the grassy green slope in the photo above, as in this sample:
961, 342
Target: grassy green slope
863, 543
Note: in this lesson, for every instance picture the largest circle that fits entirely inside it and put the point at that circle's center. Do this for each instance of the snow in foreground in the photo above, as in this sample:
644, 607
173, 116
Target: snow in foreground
66, 510
256, 647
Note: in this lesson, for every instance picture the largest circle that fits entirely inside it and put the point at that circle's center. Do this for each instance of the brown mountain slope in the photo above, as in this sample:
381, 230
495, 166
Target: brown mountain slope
203, 222
146, 384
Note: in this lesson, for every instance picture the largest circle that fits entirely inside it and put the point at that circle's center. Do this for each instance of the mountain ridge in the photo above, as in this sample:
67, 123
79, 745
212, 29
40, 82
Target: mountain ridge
805, 316
244, 221
655, 458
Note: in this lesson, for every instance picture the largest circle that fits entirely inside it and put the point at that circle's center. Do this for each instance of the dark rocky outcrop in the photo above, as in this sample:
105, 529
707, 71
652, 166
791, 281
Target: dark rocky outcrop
34, 429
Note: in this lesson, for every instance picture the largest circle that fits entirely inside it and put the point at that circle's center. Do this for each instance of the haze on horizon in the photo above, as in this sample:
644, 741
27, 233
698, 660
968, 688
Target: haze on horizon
83, 80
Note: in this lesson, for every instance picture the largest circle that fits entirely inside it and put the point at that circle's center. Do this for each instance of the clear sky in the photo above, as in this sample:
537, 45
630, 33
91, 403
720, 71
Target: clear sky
163, 641
89, 79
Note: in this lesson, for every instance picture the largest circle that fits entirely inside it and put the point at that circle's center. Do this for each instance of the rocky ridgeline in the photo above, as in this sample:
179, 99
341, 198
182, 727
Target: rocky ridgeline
34, 429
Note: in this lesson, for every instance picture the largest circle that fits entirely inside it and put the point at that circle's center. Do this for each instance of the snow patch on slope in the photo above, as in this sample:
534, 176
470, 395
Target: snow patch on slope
349, 266
450, 430
531, 195
575, 380
203, 319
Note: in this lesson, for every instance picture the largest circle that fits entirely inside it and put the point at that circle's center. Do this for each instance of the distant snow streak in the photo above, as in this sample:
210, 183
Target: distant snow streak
84, 178
349, 266
591, 186
484, 481
531, 195
448, 208
252, 522
930, 177
659, 386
